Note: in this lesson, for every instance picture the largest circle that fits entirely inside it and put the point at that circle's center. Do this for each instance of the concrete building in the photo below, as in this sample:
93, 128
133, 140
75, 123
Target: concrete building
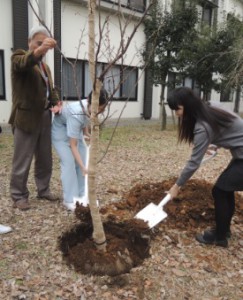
68, 21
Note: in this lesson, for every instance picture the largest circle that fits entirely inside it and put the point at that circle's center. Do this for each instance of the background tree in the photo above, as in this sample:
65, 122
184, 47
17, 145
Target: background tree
213, 59
209, 56
215, 64
168, 34
229, 64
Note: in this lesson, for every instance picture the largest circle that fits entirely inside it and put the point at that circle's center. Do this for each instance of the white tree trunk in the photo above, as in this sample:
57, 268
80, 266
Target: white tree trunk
98, 232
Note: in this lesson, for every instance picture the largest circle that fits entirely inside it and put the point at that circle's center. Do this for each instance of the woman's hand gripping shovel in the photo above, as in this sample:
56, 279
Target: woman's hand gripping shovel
154, 214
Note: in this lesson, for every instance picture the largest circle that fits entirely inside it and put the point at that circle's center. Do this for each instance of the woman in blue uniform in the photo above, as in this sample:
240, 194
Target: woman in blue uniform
68, 140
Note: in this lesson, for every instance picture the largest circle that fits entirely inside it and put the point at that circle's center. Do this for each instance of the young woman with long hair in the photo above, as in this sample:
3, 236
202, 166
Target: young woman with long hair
201, 124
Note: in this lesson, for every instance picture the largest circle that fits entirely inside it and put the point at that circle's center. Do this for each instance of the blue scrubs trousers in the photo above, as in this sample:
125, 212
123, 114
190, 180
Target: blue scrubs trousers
73, 182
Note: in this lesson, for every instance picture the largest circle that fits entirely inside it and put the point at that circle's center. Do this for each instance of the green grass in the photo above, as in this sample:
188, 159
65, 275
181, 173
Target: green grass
22, 246
19, 281
3, 263
143, 136
121, 136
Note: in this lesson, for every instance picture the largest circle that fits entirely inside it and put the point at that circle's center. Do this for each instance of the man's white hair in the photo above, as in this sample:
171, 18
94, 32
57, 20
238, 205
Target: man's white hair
38, 29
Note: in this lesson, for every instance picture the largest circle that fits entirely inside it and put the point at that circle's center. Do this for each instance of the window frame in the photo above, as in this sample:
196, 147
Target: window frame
175, 80
3, 95
129, 4
70, 98
210, 6
209, 11
83, 64
227, 95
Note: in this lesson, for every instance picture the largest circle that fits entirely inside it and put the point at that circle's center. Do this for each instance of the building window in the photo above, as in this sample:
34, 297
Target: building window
188, 82
112, 81
227, 95
2, 76
128, 88
137, 5
72, 80
207, 16
191, 83
171, 82
208, 12
120, 81
176, 80
196, 88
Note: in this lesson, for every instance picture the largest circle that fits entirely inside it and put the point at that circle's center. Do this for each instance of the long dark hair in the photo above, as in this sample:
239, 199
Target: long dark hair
196, 109
103, 99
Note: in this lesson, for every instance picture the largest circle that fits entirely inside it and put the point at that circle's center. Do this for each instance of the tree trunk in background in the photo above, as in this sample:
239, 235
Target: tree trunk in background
163, 109
98, 229
237, 99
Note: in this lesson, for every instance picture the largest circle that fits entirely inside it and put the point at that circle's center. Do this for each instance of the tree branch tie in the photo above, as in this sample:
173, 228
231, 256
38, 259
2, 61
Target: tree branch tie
99, 244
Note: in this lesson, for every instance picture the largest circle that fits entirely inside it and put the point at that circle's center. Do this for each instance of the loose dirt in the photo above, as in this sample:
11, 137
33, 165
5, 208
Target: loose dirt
128, 239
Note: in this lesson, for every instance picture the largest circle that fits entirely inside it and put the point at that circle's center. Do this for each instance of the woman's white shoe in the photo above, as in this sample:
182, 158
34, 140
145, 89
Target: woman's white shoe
5, 229
69, 205
81, 200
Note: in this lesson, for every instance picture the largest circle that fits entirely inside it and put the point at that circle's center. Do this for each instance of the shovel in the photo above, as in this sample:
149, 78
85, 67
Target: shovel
85, 199
154, 214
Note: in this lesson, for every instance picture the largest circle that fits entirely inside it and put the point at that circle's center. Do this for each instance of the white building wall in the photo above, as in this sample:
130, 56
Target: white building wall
224, 8
75, 26
48, 17
75, 45
44, 9
6, 43
233, 6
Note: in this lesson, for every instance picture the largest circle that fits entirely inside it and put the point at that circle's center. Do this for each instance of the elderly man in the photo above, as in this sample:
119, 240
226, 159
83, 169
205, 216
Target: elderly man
33, 98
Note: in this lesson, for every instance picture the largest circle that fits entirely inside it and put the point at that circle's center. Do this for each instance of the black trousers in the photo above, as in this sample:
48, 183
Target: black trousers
224, 203
229, 181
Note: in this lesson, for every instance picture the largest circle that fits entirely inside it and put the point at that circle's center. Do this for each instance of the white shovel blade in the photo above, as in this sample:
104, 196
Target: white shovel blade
83, 200
151, 214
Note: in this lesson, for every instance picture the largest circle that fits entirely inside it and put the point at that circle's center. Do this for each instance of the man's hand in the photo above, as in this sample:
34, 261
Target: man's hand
57, 109
47, 44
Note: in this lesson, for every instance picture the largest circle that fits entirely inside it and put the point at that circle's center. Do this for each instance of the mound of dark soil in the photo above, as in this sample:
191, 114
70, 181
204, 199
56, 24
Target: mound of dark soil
128, 239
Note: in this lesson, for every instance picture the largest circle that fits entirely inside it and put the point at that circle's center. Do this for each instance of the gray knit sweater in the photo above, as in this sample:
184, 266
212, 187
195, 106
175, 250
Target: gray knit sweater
230, 138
